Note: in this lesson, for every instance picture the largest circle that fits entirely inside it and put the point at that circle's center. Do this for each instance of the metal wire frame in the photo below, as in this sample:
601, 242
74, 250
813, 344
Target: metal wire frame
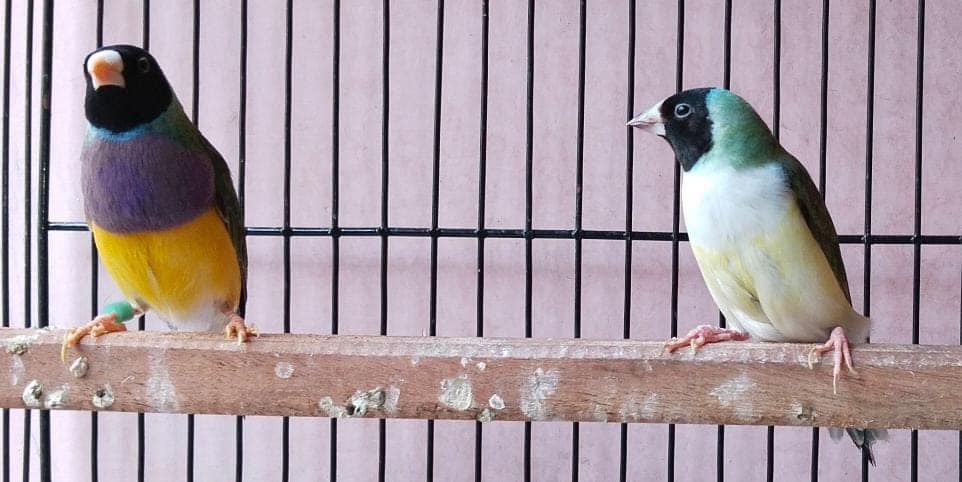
481, 233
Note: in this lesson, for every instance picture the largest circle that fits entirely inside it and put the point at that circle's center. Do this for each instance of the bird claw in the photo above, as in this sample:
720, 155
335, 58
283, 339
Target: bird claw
101, 325
703, 335
236, 328
837, 343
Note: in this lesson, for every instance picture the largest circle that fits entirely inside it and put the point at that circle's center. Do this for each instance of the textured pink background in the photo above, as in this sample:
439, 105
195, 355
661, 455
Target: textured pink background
555, 108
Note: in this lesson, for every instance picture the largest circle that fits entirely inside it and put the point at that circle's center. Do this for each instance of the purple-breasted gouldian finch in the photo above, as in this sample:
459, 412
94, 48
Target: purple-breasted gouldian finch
160, 203
760, 232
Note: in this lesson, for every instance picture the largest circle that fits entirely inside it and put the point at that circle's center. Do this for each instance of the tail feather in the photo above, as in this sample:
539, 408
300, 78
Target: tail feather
863, 439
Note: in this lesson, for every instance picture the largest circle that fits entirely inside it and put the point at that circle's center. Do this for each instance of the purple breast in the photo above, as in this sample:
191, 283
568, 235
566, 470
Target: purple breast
144, 183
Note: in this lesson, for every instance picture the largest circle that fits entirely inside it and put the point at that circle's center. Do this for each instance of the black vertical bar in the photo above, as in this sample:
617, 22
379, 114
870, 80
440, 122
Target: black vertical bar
629, 199
335, 191
675, 221
141, 324
28, 212
776, 122
869, 143
579, 195
528, 200
385, 158
195, 116
435, 188
726, 83
822, 150
241, 194
727, 72
94, 295
43, 298
917, 228
288, 95
5, 221
482, 179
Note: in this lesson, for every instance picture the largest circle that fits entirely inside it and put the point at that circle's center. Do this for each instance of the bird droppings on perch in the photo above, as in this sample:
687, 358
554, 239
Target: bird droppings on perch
481, 366
579, 380
331, 409
362, 401
18, 345
535, 390
79, 367
32, 393
485, 415
456, 393
55, 399
103, 397
803, 412
283, 370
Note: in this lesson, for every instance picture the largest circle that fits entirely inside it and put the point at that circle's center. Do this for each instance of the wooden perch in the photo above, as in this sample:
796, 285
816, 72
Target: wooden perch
897, 386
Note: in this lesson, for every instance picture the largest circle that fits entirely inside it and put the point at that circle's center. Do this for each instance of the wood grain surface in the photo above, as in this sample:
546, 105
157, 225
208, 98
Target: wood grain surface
897, 386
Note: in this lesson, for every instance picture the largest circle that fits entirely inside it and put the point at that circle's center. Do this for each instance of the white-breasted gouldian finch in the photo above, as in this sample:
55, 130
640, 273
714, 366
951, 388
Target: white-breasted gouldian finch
760, 232
160, 203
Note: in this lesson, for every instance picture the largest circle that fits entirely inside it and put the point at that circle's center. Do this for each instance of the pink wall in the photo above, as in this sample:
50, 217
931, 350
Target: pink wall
555, 125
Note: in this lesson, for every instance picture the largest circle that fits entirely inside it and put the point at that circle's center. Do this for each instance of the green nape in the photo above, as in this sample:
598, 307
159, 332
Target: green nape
174, 123
738, 133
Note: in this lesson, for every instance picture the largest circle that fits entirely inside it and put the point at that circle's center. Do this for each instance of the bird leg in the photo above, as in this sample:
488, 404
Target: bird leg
101, 325
237, 328
703, 335
838, 343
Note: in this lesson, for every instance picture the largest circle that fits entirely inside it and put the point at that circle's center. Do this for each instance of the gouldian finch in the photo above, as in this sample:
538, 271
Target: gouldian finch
160, 203
761, 234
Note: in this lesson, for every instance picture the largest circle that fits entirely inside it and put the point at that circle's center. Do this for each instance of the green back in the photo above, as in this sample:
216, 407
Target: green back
816, 215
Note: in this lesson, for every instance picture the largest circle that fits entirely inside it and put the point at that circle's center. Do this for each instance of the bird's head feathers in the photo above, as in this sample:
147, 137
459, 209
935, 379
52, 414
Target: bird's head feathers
711, 120
125, 88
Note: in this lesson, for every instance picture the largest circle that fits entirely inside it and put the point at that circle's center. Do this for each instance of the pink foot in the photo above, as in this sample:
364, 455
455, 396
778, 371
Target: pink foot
838, 343
702, 335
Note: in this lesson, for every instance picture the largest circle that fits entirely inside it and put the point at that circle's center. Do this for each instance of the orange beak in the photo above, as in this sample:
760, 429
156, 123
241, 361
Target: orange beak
106, 68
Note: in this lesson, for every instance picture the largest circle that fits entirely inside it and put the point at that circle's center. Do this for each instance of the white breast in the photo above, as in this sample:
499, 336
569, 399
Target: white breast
723, 205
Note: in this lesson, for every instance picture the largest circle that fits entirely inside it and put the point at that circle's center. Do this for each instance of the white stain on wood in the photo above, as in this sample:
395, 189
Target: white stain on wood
283, 370
456, 393
16, 371
496, 402
535, 391
391, 397
161, 392
731, 394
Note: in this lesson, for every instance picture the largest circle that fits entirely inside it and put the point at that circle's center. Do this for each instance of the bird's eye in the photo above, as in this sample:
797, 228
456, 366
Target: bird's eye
143, 65
682, 110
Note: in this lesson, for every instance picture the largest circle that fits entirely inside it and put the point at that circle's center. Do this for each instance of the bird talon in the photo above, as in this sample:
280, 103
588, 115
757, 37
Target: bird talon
813, 357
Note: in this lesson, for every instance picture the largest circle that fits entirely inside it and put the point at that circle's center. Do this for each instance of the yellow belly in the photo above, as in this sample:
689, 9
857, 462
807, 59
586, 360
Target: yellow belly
778, 285
187, 271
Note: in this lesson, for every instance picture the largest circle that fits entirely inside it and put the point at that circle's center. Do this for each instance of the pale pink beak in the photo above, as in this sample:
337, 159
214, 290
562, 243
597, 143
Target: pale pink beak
650, 121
